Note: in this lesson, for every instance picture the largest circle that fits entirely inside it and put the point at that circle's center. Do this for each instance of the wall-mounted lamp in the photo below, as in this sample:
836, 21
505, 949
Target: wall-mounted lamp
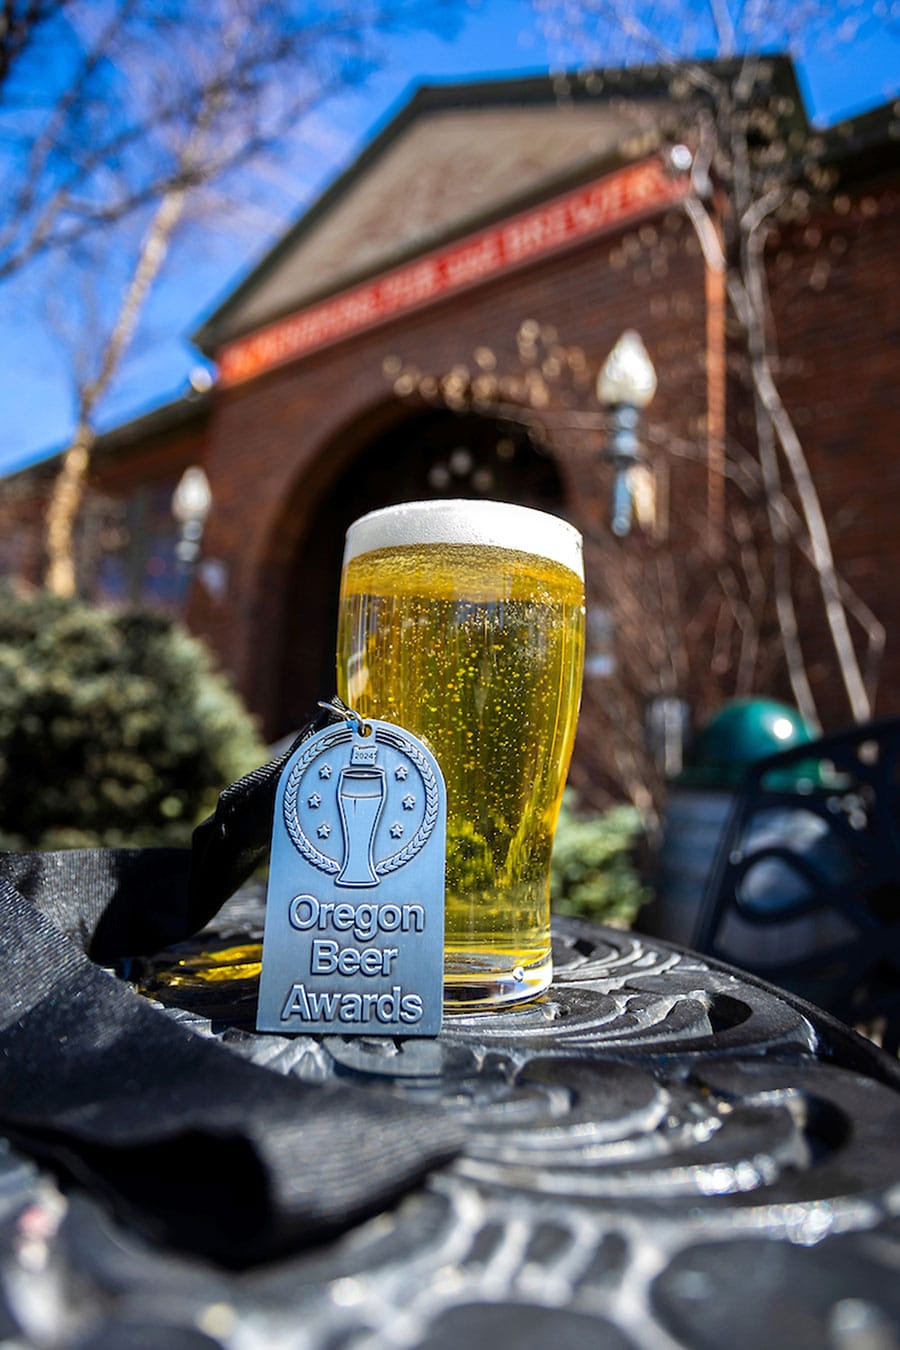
191, 503
625, 385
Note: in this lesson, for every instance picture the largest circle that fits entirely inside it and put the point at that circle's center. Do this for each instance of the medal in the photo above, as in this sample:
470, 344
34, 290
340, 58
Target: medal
354, 934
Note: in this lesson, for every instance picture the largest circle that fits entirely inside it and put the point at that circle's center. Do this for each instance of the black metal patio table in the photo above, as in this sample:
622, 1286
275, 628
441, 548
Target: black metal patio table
660, 1152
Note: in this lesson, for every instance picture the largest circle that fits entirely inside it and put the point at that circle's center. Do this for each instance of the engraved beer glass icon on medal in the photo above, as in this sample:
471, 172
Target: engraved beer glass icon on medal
354, 930
361, 793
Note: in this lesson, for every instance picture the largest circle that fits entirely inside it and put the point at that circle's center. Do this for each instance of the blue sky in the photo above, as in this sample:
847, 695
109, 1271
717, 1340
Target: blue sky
860, 68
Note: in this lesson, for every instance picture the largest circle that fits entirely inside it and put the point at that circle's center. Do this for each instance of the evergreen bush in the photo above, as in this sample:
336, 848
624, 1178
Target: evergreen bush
592, 869
114, 728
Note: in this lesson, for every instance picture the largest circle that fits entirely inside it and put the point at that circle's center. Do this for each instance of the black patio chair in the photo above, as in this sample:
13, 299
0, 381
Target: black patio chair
805, 888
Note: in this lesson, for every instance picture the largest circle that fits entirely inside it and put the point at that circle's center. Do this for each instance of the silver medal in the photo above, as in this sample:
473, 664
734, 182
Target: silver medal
354, 935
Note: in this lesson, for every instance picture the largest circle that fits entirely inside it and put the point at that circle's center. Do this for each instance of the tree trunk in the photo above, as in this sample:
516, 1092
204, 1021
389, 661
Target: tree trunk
71, 481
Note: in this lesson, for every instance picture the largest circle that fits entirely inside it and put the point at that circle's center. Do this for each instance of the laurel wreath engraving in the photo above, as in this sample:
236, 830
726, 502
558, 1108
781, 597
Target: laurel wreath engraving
406, 747
328, 741
291, 817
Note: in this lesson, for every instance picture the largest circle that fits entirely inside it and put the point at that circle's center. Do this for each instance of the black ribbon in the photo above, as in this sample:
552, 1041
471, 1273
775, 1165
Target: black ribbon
190, 1143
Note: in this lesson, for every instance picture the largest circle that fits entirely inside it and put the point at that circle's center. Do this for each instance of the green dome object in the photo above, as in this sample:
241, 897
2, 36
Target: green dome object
740, 733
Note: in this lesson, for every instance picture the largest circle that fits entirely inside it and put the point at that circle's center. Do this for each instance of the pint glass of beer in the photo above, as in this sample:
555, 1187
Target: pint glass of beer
463, 621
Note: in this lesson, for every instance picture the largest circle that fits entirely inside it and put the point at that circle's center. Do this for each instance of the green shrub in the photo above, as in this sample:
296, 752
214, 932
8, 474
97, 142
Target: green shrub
114, 728
592, 870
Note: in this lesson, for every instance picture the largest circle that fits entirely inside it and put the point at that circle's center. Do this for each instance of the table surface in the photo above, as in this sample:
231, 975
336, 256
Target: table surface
660, 1152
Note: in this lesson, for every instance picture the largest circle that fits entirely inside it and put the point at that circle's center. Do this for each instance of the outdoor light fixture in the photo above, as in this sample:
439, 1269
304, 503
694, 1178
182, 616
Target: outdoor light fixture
625, 385
190, 507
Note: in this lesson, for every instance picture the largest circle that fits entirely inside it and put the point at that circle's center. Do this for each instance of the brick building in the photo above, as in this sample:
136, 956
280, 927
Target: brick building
507, 233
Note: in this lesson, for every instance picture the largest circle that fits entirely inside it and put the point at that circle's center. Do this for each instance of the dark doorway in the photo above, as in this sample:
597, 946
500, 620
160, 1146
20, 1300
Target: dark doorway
430, 455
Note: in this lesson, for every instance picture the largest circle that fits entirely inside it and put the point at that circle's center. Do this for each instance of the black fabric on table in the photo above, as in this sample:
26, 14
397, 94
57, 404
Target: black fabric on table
190, 1143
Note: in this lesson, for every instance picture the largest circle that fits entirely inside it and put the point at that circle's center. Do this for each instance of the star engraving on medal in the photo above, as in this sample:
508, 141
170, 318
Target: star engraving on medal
396, 830
408, 802
324, 830
401, 773
314, 800
325, 771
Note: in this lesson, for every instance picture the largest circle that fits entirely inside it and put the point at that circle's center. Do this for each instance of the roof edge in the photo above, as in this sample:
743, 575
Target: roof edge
590, 86
177, 413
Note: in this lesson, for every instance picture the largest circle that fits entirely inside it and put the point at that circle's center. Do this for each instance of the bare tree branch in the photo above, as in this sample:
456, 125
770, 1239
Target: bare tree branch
19, 29
92, 162
211, 87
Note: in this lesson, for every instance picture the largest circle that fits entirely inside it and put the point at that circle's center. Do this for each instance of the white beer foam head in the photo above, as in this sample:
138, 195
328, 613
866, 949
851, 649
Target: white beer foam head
495, 524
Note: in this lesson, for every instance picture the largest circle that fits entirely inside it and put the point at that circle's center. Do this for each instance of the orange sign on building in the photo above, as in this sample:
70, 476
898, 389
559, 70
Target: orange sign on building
590, 210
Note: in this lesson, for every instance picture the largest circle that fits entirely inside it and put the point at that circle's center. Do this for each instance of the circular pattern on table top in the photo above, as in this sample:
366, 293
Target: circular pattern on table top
660, 1153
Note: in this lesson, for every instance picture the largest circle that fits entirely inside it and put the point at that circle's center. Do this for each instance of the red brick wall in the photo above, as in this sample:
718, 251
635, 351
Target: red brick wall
159, 459
835, 280
22, 507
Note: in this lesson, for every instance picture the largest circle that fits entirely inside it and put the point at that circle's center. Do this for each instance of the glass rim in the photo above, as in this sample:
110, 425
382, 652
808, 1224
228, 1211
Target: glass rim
463, 520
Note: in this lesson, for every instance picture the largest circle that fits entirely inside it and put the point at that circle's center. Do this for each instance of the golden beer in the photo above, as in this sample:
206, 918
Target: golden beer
464, 622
